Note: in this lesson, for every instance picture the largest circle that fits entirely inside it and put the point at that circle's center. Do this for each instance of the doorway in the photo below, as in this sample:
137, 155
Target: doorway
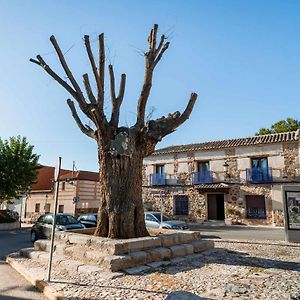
215, 207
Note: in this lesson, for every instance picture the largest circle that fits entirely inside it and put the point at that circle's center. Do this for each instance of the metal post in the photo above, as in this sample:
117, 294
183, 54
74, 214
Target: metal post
56, 180
21, 214
161, 208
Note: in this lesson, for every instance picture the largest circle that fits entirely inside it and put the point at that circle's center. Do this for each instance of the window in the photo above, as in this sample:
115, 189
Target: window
37, 207
61, 208
49, 219
160, 169
66, 220
47, 208
203, 166
150, 218
83, 218
259, 171
41, 219
203, 174
181, 205
92, 218
255, 206
63, 186
158, 177
259, 162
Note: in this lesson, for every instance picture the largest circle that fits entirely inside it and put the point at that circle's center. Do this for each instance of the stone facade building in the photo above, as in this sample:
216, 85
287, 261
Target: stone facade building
236, 180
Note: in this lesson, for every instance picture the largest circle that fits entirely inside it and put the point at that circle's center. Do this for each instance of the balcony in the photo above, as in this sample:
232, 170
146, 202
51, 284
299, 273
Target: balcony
259, 175
202, 177
157, 179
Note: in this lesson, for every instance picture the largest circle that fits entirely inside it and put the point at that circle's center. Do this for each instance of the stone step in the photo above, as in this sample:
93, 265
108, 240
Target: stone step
114, 263
68, 265
125, 246
73, 260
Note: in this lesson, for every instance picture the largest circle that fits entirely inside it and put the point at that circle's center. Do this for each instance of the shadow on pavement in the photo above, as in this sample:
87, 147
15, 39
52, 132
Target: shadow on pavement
109, 287
183, 295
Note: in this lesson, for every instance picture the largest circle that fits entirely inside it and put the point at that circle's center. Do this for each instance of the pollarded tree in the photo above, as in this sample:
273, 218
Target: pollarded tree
120, 149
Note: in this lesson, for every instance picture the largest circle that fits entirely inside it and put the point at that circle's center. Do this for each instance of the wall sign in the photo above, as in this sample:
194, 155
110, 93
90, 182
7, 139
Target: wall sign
293, 209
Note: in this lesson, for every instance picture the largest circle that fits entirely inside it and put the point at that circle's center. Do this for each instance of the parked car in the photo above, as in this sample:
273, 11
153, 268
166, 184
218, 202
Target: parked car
88, 220
152, 219
43, 226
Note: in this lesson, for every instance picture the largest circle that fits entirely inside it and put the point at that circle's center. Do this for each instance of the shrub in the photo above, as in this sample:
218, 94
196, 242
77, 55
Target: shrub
8, 216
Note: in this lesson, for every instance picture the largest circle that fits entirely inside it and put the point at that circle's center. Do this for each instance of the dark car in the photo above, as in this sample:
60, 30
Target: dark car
88, 220
43, 226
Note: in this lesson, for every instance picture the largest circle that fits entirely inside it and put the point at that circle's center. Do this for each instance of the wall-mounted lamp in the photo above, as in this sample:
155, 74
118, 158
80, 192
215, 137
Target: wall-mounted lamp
226, 167
70, 180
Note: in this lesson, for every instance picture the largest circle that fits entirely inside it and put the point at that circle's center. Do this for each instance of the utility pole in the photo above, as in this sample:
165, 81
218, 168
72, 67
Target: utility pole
56, 180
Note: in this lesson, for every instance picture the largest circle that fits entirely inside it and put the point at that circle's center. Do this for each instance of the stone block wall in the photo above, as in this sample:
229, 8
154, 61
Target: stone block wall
197, 209
291, 161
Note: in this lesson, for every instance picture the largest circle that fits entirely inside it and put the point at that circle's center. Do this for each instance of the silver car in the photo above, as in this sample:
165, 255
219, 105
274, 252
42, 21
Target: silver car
153, 219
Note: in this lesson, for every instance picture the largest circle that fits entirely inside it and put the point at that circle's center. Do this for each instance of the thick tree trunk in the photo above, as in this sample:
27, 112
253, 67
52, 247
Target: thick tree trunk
121, 213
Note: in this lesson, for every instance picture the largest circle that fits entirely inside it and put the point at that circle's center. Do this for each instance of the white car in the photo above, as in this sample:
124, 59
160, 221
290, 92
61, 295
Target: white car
153, 219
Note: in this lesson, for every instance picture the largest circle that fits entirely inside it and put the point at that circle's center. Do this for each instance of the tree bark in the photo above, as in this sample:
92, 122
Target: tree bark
121, 213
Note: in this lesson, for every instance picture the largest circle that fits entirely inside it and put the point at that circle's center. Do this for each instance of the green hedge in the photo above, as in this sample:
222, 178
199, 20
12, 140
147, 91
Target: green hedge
7, 216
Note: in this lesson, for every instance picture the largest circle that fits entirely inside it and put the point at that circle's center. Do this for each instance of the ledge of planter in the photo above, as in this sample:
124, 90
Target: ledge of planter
9, 226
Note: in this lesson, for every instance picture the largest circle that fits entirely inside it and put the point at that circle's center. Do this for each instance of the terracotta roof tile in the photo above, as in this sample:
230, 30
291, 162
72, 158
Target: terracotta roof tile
248, 141
81, 175
45, 178
212, 185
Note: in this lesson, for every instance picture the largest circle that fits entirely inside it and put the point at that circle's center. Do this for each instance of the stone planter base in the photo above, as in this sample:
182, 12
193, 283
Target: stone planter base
121, 255
9, 226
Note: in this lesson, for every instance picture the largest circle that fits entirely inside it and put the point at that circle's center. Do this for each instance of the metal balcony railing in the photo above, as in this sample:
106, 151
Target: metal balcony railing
157, 179
259, 175
202, 177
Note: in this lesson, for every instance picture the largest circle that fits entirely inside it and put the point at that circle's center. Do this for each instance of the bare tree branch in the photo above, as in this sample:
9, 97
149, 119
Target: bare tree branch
160, 54
80, 99
153, 37
116, 101
159, 128
101, 60
122, 87
85, 129
88, 89
162, 39
112, 84
94, 68
40, 62
152, 57
186, 114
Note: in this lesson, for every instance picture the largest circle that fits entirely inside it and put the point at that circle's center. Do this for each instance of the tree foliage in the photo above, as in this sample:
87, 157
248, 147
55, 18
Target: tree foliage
289, 124
18, 167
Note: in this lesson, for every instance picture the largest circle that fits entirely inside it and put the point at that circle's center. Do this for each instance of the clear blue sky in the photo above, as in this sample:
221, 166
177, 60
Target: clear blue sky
241, 57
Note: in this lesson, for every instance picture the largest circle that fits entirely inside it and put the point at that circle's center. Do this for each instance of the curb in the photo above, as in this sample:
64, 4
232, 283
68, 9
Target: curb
258, 242
41, 285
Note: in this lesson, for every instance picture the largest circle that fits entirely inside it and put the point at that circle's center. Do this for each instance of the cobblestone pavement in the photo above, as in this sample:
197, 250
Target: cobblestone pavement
233, 270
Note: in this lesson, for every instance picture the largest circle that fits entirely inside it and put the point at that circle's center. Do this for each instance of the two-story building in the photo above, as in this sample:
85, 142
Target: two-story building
236, 179
78, 193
